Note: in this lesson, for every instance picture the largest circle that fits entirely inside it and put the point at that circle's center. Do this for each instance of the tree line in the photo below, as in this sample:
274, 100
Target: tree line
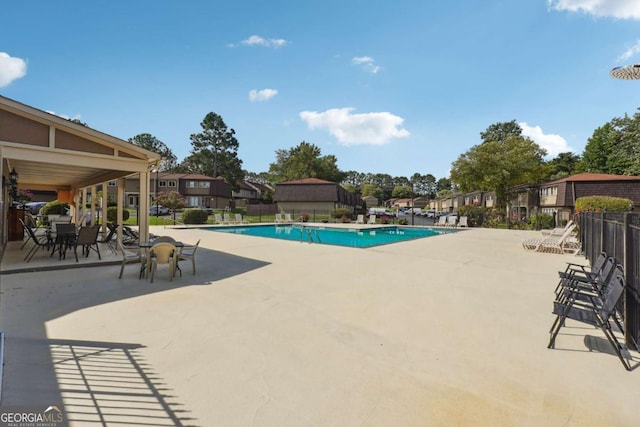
502, 160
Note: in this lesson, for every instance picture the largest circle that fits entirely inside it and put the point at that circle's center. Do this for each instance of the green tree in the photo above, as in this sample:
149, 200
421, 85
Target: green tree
598, 149
149, 142
304, 161
402, 192
564, 164
172, 200
372, 190
215, 151
443, 184
424, 185
500, 131
499, 165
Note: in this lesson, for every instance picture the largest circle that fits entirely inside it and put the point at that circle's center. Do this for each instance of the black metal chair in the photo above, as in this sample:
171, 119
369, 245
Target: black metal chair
39, 242
593, 308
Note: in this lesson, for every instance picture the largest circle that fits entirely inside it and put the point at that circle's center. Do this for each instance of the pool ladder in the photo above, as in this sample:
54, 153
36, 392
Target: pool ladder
309, 233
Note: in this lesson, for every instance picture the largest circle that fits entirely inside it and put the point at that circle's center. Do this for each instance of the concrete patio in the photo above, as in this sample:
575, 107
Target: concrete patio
448, 330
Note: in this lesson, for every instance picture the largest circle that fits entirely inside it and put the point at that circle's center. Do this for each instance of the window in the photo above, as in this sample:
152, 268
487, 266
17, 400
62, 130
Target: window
162, 183
171, 183
549, 191
192, 184
204, 184
112, 183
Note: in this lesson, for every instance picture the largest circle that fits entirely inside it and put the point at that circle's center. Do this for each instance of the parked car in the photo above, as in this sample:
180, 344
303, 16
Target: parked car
158, 210
381, 211
34, 207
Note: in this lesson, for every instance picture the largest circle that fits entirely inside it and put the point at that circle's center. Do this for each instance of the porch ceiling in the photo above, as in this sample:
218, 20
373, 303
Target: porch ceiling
34, 175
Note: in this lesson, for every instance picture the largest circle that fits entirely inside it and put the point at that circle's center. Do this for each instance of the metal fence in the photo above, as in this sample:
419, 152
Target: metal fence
617, 234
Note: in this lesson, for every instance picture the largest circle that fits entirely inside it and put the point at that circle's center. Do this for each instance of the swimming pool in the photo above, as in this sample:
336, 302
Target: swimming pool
352, 237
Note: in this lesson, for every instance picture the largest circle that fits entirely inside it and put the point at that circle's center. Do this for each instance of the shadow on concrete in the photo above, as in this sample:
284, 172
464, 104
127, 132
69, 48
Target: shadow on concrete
93, 382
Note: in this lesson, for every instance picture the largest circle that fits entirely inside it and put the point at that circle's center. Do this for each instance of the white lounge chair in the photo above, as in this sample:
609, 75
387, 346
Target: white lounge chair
442, 221
452, 221
218, 218
287, 218
227, 219
564, 244
240, 220
463, 222
372, 219
558, 231
360, 219
279, 219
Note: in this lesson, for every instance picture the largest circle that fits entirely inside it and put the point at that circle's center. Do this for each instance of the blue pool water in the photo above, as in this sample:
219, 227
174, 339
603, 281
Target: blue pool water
352, 237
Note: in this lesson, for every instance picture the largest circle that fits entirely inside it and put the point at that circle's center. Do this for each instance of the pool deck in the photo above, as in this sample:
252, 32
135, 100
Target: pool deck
449, 330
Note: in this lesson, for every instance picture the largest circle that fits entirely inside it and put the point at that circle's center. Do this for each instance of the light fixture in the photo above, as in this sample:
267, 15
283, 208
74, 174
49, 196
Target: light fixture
12, 183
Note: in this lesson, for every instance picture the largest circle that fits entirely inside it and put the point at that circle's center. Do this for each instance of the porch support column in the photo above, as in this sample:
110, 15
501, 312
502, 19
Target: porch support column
120, 197
143, 207
104, 208
93, 204
83, 208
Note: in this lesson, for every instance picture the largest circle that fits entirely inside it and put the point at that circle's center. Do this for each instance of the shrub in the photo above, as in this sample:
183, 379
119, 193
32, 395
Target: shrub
304, 217
112, 214
385, 219
345, 219
544, 221
55, 208
340, 212
603, 203
476, 215
194, 216
403, 221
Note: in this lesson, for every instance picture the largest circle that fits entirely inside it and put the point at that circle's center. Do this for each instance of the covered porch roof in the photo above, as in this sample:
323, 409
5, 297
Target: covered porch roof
52, 153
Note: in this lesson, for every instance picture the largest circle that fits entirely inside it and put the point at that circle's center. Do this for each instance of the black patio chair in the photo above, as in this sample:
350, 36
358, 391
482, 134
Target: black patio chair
593, 279
583, 272
594, 309
88, 240
110, 238
597, 283
39, 242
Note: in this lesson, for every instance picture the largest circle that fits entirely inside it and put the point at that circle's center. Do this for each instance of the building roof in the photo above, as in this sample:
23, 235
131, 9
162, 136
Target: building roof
595, 177
308, 181
191, 176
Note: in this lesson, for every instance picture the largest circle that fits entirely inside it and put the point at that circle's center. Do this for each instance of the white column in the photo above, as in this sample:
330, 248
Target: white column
93, 204
119, 221
143, 207
104, 207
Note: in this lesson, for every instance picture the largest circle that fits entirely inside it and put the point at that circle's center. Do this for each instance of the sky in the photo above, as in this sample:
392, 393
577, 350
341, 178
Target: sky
398, 87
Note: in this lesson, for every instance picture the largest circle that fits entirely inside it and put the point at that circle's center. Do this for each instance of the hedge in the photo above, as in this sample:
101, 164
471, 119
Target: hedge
194, 216
603, 204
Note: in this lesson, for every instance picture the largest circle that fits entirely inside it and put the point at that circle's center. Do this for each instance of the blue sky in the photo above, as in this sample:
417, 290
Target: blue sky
387, 87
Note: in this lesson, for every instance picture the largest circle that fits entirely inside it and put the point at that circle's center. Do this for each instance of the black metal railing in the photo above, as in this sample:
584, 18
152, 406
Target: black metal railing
617, 234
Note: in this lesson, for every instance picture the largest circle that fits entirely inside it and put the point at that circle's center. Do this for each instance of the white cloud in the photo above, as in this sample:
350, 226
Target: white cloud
367, 63
631, 52
357, 129
262, 94
261, 41
554, 144
11, 69
621, 9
